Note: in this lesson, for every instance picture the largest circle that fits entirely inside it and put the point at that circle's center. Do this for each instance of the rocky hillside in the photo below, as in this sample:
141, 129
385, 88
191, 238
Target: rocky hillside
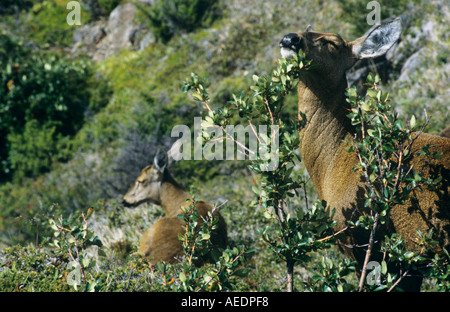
416, 69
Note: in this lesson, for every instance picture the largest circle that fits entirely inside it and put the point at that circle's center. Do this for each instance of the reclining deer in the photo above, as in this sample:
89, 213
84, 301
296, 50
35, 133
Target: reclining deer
321, 97
156, 185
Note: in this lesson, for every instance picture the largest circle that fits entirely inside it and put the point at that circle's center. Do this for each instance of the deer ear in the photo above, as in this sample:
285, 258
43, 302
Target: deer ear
161, 160
309, 28
378, 40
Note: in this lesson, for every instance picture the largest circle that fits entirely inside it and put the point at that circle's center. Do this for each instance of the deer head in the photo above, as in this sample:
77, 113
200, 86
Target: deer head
334, 55
147, 186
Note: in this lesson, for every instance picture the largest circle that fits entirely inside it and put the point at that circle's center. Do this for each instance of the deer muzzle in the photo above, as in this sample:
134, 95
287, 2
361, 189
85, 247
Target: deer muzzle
290, 44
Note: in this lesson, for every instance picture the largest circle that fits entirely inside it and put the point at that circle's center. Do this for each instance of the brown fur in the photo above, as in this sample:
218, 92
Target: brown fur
445, 133
160, 242
321, 96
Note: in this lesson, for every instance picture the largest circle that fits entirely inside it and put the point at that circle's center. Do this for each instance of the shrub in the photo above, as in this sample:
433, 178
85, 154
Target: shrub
73, 258
384, 150
33, 150
30, 269
48, 88
168, 18
47, 23
355, 12
13, 6
299, 230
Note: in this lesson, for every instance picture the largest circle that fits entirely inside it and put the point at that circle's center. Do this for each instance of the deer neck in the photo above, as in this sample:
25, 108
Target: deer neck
172, 196
321, 143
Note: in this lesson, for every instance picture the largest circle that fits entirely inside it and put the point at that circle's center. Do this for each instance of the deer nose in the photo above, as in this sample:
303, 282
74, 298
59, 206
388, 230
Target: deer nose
292, 41
125, 203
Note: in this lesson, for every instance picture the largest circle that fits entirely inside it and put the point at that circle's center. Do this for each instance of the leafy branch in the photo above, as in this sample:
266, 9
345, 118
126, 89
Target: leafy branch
384, 150
310, 228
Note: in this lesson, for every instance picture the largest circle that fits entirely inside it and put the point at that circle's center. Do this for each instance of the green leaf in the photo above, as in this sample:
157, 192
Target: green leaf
381, 287
365, 107
379, 95
352, 94
197, 96
182, 277
371, 132
267, 214
85, 262
370, 78
371, 93
437, 155
383, 267
412, 122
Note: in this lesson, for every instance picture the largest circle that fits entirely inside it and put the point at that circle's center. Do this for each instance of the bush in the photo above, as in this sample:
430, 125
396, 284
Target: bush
39, 91
31, 269
47, 24
13, 6
33, 150
355, 12
168, 18
299, 230
384, 150
73, 258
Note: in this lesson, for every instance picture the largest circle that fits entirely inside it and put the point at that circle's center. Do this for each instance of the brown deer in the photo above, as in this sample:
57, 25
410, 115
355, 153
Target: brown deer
321, 97
156, 185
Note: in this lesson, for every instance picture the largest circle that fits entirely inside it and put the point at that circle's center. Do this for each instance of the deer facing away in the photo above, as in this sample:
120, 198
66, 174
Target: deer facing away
156, 185
321, 97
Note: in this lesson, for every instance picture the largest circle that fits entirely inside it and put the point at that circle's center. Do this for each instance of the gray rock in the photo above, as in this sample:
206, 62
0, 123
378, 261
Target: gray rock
88, 36
119, 29
146, 40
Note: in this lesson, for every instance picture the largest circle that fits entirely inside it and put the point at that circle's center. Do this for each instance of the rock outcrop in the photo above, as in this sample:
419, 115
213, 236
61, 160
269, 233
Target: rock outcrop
106, 37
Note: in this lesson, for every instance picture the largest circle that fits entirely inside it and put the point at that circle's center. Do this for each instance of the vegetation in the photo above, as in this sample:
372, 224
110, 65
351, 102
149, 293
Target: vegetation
384, 151
351, 11
74, 134
44, 98
168, 18
300, 230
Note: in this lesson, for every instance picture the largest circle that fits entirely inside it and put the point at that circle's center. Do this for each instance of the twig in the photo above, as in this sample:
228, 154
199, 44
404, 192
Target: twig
397, 281
254, 131
203, 99
333, 235
270, 112
368, 253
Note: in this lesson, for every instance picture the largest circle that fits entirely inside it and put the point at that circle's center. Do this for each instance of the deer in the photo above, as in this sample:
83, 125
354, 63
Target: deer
160, 242
321, 98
